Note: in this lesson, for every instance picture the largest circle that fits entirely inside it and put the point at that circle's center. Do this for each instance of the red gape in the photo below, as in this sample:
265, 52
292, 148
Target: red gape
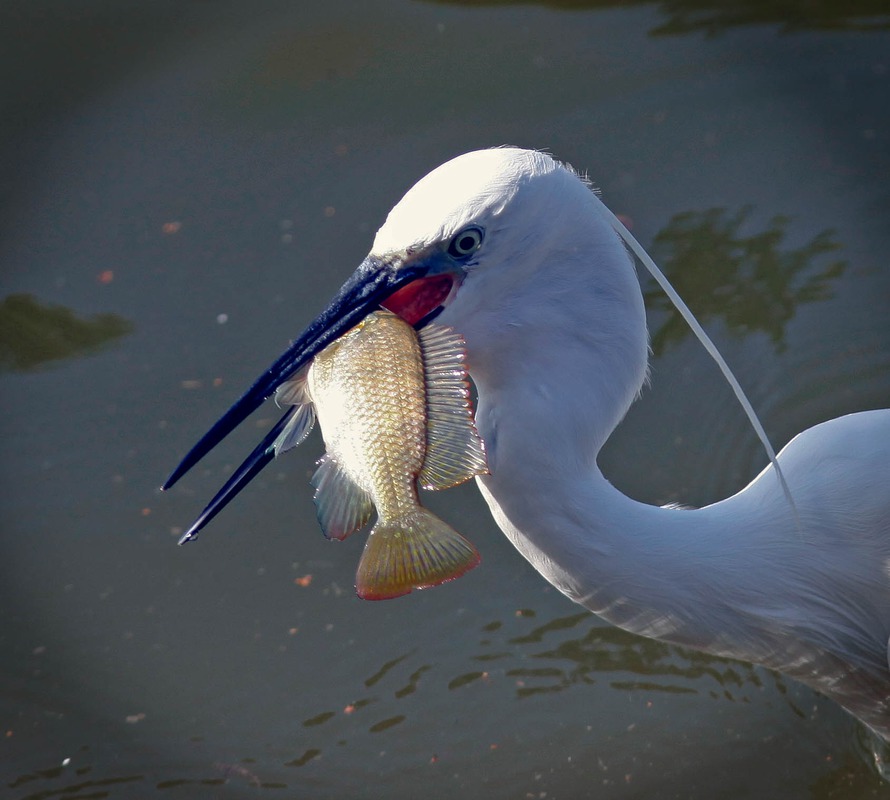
415, 300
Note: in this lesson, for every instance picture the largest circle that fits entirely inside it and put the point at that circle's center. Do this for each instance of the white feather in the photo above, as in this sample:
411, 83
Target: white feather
553, 318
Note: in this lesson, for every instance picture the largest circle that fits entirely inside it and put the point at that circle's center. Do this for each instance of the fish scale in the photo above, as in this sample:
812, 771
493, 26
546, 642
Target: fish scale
394, 408
377, 424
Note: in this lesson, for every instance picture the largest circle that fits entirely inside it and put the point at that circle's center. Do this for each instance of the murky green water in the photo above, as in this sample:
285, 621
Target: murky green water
184, 185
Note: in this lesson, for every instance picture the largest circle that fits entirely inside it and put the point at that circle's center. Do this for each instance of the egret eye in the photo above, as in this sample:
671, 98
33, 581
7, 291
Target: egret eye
465, 243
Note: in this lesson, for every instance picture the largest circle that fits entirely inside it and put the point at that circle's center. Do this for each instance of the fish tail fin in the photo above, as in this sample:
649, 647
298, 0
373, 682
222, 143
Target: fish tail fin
415, 551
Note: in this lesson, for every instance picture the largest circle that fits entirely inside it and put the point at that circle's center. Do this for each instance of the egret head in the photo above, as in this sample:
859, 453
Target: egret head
467, 238
514, 251
468, 215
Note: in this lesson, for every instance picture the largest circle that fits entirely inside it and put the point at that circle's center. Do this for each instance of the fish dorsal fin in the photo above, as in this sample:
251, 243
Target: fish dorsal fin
294, 392
341, 505
455, 452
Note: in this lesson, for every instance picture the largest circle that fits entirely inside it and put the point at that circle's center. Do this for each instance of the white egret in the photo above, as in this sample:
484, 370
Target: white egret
512, 250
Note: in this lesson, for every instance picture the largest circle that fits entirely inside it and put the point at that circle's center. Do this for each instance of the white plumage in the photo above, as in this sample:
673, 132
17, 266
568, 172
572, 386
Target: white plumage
531, 271
553, 317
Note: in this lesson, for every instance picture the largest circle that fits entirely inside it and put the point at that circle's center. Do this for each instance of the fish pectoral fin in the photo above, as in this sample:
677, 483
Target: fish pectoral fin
297, 429
455, 451
294, 392
341, 505
414, 552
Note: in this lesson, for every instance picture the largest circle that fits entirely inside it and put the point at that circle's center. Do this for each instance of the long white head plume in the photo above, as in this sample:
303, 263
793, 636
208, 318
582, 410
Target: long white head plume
707, 343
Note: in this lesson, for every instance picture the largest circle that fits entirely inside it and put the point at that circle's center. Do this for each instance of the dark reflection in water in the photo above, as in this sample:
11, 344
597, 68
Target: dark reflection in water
750, 282
230, 774
715, 16
80, 788
377, 676
556, 656
603, 650
33, 333
77, 786
521, 657
309, 755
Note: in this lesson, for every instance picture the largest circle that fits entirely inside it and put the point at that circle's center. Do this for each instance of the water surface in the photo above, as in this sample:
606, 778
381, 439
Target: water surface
201, 178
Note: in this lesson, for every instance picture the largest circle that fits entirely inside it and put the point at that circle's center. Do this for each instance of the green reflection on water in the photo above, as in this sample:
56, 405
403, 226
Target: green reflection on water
599, 652
715, 16
386, 724
319, 719
413, 680
463, 680
750, 282
309, 755
384, 669
72, 790
33, 333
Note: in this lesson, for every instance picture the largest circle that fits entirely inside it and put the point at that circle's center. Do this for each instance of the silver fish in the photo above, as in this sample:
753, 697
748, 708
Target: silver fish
394, 409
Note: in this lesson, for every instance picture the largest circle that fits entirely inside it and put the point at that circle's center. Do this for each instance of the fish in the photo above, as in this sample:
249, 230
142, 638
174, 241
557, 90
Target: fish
395, 413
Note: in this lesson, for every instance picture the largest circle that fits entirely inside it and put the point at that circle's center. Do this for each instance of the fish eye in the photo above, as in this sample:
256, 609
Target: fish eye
466, 242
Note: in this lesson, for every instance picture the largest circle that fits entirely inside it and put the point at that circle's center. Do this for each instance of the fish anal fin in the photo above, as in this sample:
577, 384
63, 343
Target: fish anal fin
341, 505
455, 452
415, 551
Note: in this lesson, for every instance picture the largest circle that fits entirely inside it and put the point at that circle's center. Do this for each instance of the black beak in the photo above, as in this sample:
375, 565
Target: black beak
374, 281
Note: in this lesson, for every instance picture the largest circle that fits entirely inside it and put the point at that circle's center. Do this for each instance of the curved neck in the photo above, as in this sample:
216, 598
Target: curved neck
558, 353
658, 572
555, 375
643, 568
